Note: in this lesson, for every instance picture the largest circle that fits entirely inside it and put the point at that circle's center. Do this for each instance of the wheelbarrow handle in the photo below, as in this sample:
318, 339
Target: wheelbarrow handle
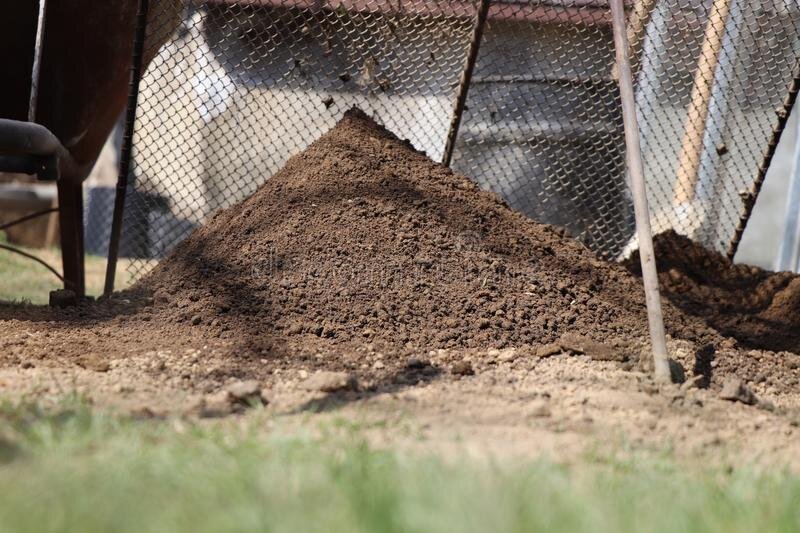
31, 148
27, 138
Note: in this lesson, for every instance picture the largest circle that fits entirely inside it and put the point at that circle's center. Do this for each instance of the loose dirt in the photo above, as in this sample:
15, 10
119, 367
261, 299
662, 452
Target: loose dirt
759, 308
364, 257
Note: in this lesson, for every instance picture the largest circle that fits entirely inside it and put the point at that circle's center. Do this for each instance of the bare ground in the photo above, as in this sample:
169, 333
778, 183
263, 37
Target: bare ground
558, 407
364, 281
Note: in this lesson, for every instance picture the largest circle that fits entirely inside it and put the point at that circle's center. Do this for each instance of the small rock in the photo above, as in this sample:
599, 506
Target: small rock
728, 343
693, 382
326, 381
93, 362
63, 298
539, 410
218, 404
766, 405
161, 297
142, 412
462, 368
573, 342
265, 396
378, 365
547, 350
735, 390
648, 388
415, 363
194, 406
598, 351
507, 355
245, 391
196, 320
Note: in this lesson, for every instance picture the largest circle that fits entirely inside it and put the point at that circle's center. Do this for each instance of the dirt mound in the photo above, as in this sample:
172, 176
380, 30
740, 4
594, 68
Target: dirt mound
362, 238
761, 309
364, 256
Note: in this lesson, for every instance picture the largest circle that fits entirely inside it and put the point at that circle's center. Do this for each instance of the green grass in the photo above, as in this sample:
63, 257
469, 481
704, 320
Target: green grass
79, 470
23, 280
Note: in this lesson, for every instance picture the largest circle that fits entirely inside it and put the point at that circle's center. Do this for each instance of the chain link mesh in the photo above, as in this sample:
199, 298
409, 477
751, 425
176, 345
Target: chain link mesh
237, 87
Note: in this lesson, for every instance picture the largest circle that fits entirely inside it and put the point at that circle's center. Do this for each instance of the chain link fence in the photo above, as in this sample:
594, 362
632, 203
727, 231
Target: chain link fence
241, 86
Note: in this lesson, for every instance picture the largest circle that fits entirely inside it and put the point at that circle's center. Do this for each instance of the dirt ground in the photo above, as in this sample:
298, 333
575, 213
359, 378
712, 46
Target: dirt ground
364, 280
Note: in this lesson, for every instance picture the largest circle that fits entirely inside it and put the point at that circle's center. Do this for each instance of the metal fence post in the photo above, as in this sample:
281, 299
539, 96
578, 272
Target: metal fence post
127, 145
465, 81
750, 197
636, 169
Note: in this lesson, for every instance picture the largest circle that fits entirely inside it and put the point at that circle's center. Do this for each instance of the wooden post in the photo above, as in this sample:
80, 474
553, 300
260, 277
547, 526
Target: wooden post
697, 113
638, 190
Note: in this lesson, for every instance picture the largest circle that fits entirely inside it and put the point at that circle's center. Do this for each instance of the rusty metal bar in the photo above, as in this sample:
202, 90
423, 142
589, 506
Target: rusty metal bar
126, 153
749, 199
655, 317
465, 81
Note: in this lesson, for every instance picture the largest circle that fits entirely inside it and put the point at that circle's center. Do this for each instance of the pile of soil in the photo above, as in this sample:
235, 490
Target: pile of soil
363, 255
760, 309
362, 238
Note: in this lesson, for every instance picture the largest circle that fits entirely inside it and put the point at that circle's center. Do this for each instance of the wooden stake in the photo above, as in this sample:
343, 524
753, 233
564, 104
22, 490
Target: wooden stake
638, 190
697, 113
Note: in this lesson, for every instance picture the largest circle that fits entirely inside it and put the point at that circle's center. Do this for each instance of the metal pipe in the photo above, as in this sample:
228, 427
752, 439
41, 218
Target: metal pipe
465, 81
127, 145
655, 317
637, 27
749, 199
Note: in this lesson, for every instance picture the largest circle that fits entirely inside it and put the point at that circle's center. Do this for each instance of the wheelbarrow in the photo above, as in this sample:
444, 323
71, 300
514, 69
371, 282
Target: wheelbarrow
67, 72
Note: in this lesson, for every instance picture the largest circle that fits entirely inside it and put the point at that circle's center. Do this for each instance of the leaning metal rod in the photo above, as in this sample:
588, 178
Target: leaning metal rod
636, 170
637, 27
465, 81
777, 133
127, 146
33, 258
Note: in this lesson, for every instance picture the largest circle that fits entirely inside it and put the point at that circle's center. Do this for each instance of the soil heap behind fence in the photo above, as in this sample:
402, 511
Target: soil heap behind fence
362, 238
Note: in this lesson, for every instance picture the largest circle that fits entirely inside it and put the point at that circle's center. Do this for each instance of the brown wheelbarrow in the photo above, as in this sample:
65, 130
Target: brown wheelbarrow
67, 70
